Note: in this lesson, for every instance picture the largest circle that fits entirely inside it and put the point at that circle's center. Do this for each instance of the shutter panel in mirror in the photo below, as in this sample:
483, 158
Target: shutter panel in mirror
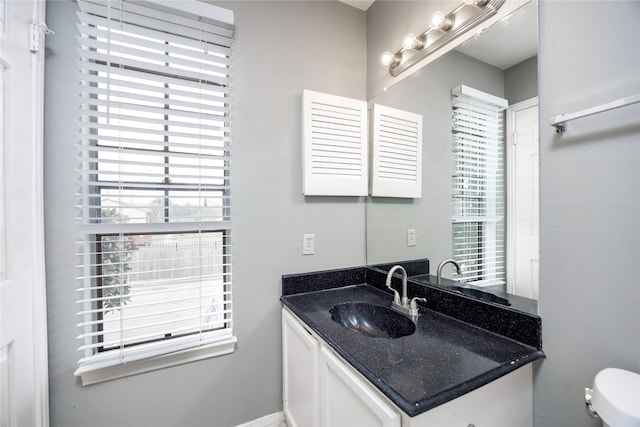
397, 153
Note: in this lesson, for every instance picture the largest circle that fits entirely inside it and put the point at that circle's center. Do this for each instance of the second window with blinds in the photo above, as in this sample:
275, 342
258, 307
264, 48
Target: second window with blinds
478, 211
155, 178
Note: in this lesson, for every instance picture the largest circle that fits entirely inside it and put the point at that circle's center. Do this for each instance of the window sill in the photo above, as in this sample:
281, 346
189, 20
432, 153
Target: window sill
93, 376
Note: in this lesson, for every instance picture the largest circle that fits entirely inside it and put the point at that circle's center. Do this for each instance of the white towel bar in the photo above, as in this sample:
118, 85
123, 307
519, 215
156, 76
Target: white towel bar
560, 121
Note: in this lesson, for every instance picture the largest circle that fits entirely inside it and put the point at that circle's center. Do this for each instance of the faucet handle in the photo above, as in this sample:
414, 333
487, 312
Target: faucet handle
414, 302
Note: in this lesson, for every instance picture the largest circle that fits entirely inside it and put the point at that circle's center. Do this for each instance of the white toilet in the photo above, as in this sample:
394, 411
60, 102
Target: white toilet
615, 398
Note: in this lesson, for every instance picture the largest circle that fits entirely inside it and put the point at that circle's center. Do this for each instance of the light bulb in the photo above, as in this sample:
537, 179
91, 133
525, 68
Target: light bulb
437, 20
409, 41
387, 58
440, 21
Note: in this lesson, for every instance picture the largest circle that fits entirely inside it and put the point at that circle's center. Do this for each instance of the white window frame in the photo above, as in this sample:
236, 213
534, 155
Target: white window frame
142, 357
478, 186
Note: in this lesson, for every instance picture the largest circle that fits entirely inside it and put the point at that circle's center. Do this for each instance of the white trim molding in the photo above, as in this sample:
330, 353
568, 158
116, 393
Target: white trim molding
273, 420
93, 376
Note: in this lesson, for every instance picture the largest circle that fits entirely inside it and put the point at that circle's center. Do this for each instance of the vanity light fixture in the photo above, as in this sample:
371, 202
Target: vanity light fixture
442, 29
478, 3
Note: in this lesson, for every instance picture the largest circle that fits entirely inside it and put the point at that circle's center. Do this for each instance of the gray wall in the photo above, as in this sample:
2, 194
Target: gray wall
280, 49
427, 92
521, 81
589, 203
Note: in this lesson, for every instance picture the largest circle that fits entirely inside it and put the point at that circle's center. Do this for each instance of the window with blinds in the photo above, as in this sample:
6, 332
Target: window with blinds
154, 171
478, 211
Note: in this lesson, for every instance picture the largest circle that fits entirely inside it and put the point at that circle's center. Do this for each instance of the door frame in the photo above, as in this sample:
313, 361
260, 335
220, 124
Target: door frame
510, 178
34, 221
41, 355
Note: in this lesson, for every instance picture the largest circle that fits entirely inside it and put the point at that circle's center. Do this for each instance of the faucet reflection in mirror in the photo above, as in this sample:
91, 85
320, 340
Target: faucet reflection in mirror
443, 29
458, 267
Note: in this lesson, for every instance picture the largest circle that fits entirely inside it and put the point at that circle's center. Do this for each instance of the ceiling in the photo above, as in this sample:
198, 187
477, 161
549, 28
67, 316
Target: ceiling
507, 42
360, 4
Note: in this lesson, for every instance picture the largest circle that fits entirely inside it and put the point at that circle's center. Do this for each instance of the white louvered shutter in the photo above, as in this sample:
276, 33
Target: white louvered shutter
397, 153
334, 149
478, 211
154, 178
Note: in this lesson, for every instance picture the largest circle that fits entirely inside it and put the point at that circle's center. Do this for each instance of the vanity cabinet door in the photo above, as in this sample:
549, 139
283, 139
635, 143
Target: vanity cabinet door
347, 401
300, 374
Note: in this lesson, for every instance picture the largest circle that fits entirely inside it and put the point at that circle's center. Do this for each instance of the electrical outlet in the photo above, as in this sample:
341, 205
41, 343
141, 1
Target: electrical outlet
308, 244
411, 237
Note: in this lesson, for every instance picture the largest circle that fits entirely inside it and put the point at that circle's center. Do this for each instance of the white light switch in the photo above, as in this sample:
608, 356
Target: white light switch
411, 237
308, 244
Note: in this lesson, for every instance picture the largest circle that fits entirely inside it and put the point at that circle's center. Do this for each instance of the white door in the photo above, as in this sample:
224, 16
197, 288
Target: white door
300, 352
522, 199
23, 354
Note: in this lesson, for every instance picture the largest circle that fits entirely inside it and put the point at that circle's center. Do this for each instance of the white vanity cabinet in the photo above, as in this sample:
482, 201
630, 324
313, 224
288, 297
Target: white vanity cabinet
505, 402
321, 389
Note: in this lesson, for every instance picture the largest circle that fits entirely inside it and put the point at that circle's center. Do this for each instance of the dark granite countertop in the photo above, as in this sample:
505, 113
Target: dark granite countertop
444, 359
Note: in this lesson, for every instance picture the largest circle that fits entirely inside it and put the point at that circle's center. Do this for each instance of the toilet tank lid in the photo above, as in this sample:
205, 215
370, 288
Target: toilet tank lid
616, 397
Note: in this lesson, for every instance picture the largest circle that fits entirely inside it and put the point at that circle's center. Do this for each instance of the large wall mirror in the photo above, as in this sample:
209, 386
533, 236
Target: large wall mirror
501, 61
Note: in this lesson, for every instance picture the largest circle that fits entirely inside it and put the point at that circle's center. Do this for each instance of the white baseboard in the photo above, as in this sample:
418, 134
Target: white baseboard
272, 420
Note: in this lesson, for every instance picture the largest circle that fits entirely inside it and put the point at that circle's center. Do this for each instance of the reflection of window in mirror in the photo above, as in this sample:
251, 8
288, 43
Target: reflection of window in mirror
478, 190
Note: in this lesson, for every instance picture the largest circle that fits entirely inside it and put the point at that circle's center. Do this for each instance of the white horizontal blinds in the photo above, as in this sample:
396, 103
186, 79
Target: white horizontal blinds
154, 171
478, 186
158, 103
151, 287
397, 153
334, 145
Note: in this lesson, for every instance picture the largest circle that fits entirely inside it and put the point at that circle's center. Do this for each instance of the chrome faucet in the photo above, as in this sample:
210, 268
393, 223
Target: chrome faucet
403, 305
442, 264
